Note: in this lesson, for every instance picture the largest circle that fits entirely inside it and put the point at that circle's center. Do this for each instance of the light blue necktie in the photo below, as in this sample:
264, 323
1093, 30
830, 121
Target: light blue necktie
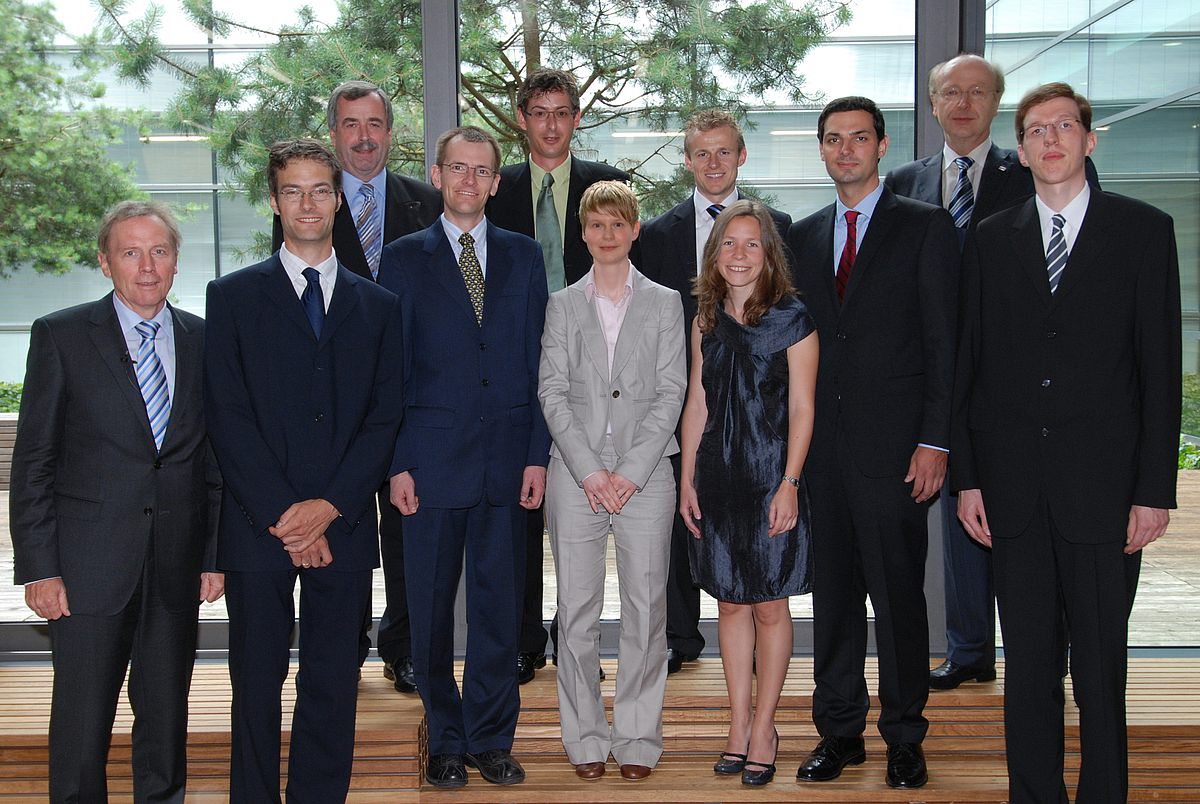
152, 381
367, 224
963, 201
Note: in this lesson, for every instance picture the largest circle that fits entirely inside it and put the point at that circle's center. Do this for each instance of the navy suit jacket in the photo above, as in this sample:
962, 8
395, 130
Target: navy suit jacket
292, 418
410, 206
472, 421
887, 354
512, 207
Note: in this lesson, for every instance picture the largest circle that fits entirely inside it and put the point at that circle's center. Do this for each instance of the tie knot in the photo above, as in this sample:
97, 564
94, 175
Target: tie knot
466, 241
312, 275
147, 329
1058, 221
851, 217
715, 209
547, 181
964, 162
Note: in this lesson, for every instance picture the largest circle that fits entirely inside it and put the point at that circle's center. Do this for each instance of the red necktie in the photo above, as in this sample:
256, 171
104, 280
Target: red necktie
846, 261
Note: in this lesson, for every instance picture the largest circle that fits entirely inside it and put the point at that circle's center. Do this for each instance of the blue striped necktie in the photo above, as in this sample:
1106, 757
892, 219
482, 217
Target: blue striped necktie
714, 210
962, 203
367, 224
1056, 253
152, 381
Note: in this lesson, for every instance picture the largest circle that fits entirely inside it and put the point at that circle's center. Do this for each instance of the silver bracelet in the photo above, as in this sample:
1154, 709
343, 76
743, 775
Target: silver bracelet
795, 481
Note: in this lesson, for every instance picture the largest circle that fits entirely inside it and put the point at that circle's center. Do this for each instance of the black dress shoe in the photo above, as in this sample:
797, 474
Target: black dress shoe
527, 666
830, 756
948, 674
400, 673
446, 770
675, 660
906, 765
497, 766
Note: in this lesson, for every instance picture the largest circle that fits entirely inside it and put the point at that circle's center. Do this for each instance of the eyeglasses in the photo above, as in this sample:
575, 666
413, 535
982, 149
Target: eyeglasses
954, 94
319, 195
462, 169
1039, 130
562, 114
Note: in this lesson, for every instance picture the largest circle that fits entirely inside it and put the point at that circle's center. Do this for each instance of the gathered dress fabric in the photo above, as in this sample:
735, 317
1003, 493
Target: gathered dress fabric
741, 460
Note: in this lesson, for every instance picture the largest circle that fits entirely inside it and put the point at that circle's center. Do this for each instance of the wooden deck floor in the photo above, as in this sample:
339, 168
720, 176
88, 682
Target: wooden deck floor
965, 744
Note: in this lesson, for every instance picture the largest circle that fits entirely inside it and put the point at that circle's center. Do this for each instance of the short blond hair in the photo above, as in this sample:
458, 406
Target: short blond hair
613, 197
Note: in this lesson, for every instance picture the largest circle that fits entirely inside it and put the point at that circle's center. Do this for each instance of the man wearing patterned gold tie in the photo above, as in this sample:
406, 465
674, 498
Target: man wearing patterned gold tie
114, 508
471, 454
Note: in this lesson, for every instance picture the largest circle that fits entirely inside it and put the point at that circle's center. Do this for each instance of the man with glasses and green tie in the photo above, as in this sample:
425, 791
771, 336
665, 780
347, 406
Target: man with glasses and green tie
1065, 437
114, 501
470, 458
540, 198
380, 206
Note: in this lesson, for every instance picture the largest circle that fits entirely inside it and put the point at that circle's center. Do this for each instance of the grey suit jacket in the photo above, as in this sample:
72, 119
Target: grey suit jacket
90, 496
641, 396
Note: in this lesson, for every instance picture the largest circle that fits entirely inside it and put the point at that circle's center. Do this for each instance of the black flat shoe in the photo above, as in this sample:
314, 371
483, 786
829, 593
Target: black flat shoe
730, 764
446, 770
497, 766
757, 778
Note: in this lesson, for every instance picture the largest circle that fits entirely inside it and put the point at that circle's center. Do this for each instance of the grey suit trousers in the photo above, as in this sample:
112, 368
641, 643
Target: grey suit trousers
579, 541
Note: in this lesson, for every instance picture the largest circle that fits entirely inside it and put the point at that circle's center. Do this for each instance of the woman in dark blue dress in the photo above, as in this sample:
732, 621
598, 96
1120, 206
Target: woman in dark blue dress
746, 430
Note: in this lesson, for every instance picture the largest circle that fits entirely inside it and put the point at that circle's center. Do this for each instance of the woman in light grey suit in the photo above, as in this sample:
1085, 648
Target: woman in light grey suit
611, 384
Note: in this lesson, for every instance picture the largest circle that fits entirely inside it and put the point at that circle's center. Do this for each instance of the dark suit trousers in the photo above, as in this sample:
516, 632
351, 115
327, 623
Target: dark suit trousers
683, 596
970, 610
261, 618
1038, 576
533, 634
483, 715
393, 639
90, 655
869, 538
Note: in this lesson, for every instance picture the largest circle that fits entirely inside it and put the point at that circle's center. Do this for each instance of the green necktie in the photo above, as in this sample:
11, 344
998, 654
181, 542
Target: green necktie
548, 236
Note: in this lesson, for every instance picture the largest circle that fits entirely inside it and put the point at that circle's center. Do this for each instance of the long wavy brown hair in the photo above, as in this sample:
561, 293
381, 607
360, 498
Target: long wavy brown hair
773, 283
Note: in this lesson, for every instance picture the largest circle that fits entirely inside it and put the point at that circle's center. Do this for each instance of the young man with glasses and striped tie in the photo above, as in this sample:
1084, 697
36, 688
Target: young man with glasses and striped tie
114, 500
668, 251
1066, 428
380, 206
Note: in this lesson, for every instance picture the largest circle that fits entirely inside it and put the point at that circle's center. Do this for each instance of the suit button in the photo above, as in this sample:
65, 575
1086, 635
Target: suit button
320, 417
482, 347
1051, 333
1045, 432
158, 464
616, 394
1045, 383
484, 383
147, 511
841, 336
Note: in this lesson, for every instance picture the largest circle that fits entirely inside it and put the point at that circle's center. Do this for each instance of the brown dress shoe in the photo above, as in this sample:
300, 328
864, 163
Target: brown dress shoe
589, 770
634, 773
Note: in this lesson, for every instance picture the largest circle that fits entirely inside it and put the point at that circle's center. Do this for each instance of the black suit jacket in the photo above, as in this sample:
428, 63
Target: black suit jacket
887, 354
295, 418
667, 251
90, 497
1004, 182
410, 206
1073, 396
512, 207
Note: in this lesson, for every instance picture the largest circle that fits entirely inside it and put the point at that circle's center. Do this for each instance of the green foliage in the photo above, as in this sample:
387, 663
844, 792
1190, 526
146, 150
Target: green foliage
56, 180
10, 397
1191, 404
658, 59
1189, 455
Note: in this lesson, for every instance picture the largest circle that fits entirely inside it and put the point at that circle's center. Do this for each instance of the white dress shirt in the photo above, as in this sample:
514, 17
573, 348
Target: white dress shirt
294, 267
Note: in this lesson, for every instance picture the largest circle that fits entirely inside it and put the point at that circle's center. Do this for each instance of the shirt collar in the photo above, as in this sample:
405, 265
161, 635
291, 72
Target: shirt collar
865, 207
978, 154
1074, 211
351, 184
701, 203
561, 174
129, 319
589, 289
294, 266
478, 231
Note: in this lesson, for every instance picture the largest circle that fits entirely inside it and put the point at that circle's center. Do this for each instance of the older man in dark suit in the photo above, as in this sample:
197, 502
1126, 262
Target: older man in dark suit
1067, 409
471, 455
669, 253
540, 198
379, 207
303, 388
879, 274
114, 507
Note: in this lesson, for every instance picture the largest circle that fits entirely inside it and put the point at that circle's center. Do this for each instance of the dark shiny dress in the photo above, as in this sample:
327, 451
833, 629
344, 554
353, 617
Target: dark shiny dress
740, 462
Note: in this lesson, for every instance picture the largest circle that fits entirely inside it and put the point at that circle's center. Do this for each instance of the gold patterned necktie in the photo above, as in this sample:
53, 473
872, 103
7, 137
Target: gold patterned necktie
472, 273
